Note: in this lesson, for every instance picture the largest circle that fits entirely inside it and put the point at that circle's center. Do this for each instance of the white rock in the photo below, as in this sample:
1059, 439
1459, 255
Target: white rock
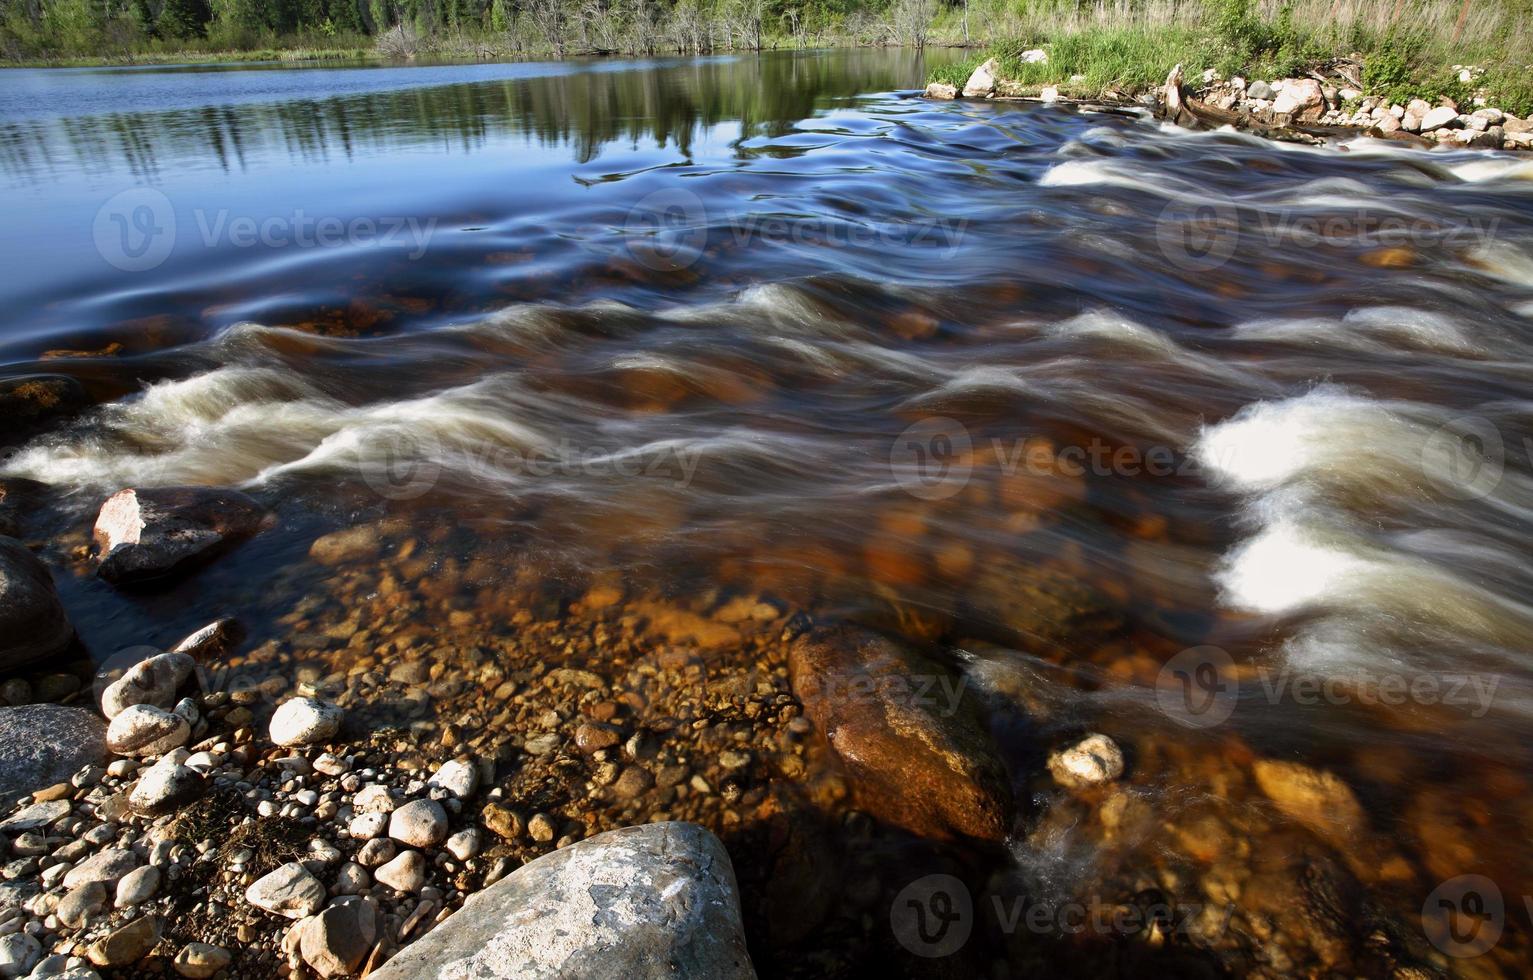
981, 83
373, 798
201, 960
289, 891
379, 850
18, 953
352, 879
137, 886
406, 873
106, 867
422, 823
79, 904
305, 721
366, 826
166, 788
1441, 117
457, 777
1093, 760
154, 681
1049, 94
144, 730
331, 765
465, 843
1034, 56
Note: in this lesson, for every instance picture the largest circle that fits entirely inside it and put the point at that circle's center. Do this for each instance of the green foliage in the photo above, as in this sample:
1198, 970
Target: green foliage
182, 19
955, 73
1510, 88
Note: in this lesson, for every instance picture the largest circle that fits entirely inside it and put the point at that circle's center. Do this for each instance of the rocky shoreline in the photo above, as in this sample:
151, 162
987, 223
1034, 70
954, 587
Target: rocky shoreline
750, 791
1310, 109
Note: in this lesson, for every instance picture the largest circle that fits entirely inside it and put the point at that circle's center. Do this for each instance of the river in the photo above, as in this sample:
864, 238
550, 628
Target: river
1215, 445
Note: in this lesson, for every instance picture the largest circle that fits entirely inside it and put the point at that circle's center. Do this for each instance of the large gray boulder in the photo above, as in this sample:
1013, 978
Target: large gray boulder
640, 903
45, 744
32, 622
143, 535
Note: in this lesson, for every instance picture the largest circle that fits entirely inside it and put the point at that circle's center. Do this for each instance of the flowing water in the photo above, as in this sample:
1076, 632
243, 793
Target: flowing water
1214, 444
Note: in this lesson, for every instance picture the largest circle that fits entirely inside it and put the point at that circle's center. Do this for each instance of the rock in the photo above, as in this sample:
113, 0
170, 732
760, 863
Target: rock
1261, 90
353, 879
46, 744
106, 867
1512, 124
379, 850
373, 798
35, 816
305, 721
137, 886
465, 843
594, 736
1171, 93
1033, 56
503, 822
14, 494
1092, 761
1319, 801
458, 777
1386, 124
422, 823
1518, 141
541, 828
199, 961
981, 83
213, 640
367, 826
31, 402
32, 622
154, 681
127, 945
1415, 111
350, 545
1049, 93
1442, 117
165, 789
144, 730
1301, 98
641, 903
942, 90
19, 952
79, 904
916, 748
289, 891
406, 873
335, 941
144, 535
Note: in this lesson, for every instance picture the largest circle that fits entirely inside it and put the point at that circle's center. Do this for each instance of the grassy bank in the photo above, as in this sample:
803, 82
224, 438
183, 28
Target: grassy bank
1404, 52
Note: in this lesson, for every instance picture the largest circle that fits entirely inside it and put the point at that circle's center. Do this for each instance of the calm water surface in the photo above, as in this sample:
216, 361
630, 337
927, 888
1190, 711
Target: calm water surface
1210, 443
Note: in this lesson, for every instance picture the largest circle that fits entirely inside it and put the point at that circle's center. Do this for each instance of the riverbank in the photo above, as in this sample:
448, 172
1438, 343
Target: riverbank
1306, 107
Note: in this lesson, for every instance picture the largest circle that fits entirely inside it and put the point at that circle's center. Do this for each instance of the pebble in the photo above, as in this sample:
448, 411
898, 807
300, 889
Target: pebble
457, 777
19, 952
1092, 761
106, 867
305, 721
422, 823
465, 843
334, 942
366, 826
541, 828
79, 904
503, 822
153, 681
143, 729
373, 798
137, 886
352, 879
165, 789
126, 945
379, 850
289, 891
200, 961
406, 873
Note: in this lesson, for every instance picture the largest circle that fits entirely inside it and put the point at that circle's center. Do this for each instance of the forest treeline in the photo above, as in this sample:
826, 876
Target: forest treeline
121, 29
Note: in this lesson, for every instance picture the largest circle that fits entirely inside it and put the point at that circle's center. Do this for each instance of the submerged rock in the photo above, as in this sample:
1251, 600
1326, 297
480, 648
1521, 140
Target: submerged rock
1317, 800
33, 626
641, 903
1092, 761
912, 740
144, 535
45, 744
29, 403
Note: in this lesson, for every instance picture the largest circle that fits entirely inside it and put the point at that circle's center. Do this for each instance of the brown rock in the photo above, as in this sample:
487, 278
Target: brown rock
1317, 800
914, 744
592, 737
503, 822
127, 945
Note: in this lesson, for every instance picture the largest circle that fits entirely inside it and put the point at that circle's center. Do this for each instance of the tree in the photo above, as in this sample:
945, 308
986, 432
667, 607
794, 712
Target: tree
182, 19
